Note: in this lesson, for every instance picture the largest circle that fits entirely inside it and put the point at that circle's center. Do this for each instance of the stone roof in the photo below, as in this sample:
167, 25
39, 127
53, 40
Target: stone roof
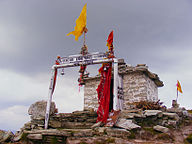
125, 69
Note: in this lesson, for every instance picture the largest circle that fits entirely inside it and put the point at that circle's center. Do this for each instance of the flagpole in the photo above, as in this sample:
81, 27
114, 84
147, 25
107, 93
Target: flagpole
177, 95
84, 38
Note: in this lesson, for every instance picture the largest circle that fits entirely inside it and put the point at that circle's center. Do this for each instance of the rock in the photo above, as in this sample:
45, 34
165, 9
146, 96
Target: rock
35, 136
179, 111
172, 123
2, 133
27, 126
6, 136
98, 124
115, 132
76, 125
38, 109
185, 113
161, 129
171, 115
83, 133
175, 104
130, 115
126, 124
55, 124
57, 132
100, 130
18, 136
153, 113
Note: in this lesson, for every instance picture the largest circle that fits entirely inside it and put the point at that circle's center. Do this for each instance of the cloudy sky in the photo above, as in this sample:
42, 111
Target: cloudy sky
32, 33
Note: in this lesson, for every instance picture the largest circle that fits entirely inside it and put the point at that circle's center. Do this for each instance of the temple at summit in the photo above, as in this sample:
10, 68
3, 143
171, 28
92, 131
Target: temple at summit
139, 84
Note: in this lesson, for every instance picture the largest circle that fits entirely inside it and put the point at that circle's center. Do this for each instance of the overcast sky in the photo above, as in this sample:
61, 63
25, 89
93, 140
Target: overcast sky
32, 33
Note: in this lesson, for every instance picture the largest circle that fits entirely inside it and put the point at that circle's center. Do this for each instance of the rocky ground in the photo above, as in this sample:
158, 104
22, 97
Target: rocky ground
133, 126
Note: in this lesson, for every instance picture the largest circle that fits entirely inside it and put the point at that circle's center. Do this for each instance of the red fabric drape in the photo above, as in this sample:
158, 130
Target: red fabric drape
103, 91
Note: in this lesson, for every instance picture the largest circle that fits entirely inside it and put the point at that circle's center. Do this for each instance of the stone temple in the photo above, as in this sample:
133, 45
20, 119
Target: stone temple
139, 84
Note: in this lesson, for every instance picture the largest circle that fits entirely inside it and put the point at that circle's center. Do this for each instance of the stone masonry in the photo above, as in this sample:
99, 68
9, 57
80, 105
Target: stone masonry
139, 84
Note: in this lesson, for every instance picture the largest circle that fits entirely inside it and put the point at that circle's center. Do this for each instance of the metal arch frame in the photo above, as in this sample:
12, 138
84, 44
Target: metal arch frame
73, 64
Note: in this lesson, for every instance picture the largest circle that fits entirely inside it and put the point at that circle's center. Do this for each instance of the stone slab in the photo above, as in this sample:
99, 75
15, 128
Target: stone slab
161, 129
126, 124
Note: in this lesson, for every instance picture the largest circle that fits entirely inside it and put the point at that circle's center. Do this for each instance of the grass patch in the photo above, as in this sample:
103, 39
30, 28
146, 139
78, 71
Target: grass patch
188, 140
165, 137
189, 111
110, 140
24, 137
151, 130
54, 140
132, 135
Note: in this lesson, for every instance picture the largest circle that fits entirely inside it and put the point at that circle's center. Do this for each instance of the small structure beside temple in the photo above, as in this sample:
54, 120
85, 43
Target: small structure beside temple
139, 84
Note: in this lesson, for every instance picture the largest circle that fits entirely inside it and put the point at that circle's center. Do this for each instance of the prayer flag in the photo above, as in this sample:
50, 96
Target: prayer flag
179, 87
80, 24
110, 39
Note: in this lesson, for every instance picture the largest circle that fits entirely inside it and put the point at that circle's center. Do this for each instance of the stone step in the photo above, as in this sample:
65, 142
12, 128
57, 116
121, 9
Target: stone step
70, 125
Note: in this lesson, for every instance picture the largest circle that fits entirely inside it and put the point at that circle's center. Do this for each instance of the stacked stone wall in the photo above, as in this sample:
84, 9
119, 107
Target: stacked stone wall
139, 84
135, 88
152, 90
90, 94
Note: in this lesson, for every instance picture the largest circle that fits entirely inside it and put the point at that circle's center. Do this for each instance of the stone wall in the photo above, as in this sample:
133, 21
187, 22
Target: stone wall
139, 84
134, 88
138, 87
90, 93
152, 90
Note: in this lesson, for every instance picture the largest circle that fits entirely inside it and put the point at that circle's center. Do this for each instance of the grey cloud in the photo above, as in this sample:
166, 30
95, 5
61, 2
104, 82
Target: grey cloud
140, 27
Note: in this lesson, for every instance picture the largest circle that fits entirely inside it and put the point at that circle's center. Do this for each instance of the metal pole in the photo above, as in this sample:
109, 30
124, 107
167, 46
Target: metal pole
177, 95
115, 85
49, 99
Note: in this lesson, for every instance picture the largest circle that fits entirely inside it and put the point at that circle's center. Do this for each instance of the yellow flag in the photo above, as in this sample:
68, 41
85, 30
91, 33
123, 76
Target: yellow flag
179, 87
80, 23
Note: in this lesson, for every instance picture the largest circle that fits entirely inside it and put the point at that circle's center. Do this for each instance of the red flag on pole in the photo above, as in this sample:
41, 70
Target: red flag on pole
179, 87
110, 39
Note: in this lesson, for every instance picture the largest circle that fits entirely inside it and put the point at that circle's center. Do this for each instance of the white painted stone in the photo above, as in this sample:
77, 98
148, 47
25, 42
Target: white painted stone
152, 112
126, 124
161, 129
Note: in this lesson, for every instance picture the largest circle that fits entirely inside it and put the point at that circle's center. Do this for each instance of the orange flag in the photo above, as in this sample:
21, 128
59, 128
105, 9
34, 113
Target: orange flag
110, 39
80, 24
179, 87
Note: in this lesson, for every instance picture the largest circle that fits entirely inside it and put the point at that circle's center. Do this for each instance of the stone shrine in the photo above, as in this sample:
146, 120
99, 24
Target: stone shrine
139, 84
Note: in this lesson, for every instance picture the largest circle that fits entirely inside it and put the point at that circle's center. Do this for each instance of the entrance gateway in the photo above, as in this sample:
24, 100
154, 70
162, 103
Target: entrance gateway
79, 60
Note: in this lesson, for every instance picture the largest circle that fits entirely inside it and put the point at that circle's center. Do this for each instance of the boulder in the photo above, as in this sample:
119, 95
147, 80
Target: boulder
2, 133
161, 129
126, 124
6, 136
153, 113
38, 109
18, 136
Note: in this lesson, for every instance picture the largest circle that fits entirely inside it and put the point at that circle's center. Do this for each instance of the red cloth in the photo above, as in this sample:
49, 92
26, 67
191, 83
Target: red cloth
103, 91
